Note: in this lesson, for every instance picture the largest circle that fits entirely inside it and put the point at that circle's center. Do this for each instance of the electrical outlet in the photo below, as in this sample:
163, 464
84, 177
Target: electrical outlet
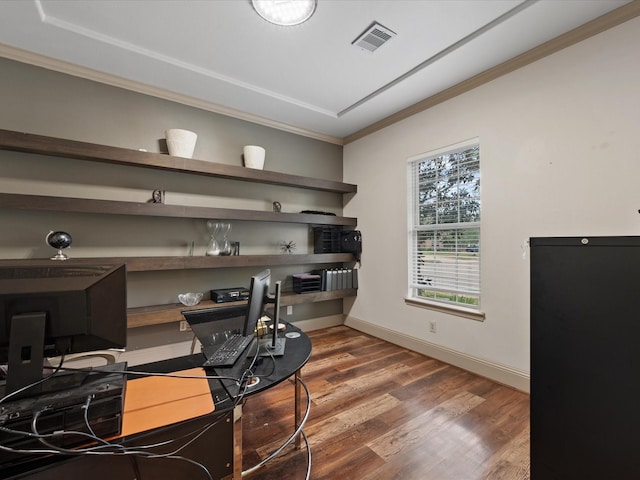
432, 327
289, 309
184, 326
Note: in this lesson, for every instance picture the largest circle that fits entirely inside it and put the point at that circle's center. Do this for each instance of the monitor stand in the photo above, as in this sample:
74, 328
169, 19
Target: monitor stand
26, 368
26, 354
267, 349
264, 348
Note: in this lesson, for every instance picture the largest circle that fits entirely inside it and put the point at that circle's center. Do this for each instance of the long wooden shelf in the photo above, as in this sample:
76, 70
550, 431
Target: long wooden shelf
159, 314
57, 147
87, 205
147, 264
63, 148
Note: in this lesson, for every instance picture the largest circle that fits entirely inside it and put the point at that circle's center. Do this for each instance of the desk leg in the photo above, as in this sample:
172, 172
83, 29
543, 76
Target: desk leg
237, 442
297, 408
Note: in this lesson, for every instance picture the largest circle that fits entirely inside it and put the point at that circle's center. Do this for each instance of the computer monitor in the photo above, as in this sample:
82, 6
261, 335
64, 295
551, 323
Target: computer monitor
212, 326
50, 310
259, 298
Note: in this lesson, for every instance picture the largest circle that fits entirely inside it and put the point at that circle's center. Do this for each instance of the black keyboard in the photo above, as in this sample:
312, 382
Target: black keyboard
229, 351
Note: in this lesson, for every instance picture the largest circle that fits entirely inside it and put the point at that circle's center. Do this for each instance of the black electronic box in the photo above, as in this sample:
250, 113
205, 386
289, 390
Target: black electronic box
224, 295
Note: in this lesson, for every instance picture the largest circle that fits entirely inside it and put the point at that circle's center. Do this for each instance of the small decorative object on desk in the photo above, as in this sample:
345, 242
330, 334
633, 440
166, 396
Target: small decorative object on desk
288, 247
277, 207
181, 143
59, 241
190, 299
261, 327
254, 156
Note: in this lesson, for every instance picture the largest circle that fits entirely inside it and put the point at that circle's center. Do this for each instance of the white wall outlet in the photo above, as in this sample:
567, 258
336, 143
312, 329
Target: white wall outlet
184, 326
432, 326
289, 309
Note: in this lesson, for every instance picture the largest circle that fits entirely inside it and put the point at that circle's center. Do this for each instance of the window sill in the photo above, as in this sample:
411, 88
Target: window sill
450, 309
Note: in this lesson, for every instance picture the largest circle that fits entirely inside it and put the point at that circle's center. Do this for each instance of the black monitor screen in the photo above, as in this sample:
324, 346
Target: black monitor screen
59, 309
259, 298
258, 295
212, 325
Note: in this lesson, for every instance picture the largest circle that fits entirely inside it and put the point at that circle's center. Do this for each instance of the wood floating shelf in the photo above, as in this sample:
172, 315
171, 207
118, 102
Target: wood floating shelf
57, 147
309, 297
159, 314
147, 264
87, 205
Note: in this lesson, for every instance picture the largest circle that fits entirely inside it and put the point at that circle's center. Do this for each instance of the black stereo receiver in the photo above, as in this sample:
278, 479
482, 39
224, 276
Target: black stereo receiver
224, 295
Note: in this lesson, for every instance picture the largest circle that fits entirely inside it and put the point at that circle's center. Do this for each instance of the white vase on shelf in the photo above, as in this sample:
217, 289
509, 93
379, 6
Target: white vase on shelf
254, 156
181, 143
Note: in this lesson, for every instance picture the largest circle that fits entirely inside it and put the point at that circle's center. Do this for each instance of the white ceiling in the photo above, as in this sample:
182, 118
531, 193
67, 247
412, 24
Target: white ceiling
220, 55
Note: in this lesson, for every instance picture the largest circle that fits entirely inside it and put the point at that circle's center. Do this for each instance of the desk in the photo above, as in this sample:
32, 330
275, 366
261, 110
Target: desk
224, 438
169, 413
270, 372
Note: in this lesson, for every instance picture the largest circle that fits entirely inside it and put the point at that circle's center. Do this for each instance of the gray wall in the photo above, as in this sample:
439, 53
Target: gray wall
41, 101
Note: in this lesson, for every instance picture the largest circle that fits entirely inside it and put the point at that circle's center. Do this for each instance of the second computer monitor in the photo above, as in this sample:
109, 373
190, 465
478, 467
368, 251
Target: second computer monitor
259, 298
258, 295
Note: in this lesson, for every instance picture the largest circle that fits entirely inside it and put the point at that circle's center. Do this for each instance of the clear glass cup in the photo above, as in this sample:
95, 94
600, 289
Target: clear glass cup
214, 227
225, 248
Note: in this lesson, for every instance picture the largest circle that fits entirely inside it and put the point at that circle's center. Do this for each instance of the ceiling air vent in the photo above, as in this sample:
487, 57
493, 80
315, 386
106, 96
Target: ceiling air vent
373, 37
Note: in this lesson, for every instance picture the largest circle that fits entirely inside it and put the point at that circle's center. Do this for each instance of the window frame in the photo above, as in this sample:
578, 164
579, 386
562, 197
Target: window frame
414, 230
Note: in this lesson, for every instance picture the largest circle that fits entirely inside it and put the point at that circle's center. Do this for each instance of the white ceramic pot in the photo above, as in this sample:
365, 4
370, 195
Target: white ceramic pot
254, 156
180, 143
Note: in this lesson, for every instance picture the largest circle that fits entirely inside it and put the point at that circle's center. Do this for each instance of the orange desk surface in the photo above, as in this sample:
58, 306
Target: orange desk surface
152, 402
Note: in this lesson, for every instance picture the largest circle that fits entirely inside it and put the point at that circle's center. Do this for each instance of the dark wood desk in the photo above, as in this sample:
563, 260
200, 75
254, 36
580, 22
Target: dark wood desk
172, 414
216, 415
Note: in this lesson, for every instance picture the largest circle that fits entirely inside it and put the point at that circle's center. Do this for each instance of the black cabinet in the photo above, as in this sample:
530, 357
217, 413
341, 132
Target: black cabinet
585, 358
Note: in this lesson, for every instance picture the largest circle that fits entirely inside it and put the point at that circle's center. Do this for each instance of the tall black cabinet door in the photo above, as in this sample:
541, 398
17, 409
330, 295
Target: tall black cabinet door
585, 358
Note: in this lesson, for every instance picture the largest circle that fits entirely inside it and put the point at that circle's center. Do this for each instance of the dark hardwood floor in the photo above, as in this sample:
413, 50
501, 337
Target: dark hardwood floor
382, 412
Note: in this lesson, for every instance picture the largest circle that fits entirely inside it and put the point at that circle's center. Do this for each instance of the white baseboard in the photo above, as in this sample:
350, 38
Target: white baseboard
320, 322
514, 378
503, 374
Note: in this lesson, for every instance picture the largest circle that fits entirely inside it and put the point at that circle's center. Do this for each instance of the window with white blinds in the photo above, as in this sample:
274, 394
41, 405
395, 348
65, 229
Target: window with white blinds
444, 226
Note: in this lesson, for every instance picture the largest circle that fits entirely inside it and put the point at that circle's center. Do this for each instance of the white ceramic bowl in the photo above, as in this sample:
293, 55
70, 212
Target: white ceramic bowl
190, 298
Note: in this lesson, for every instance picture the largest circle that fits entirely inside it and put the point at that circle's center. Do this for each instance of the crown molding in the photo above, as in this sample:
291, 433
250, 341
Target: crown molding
594, 27
68, 68
578, 34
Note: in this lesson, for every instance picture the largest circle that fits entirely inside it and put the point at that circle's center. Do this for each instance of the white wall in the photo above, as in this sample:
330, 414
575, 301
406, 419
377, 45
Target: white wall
559, 145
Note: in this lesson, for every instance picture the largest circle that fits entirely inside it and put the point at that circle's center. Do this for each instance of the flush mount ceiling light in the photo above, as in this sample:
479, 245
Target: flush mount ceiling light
285, 12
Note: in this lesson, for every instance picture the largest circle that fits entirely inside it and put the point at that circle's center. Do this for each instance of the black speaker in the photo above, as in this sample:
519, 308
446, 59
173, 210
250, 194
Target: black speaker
326, 240
351, 242
334, 240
